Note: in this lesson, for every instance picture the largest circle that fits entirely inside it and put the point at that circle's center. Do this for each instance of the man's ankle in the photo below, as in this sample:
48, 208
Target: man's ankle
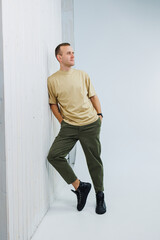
76, 183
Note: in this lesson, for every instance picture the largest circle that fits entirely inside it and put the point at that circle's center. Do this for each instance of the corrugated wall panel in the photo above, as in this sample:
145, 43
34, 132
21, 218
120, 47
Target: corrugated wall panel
3, 209
32, 29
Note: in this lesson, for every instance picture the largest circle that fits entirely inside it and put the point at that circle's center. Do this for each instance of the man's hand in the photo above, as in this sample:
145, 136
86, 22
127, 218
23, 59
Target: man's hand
100, 117
61, 121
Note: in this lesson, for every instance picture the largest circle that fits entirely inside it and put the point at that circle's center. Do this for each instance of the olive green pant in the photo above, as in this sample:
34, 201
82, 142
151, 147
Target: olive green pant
88, 135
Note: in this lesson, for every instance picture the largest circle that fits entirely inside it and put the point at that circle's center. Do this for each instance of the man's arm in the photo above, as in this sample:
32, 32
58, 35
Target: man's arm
96, 104
56, 112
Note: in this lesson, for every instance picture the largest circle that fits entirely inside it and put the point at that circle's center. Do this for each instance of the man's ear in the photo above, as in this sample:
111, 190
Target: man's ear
59, 57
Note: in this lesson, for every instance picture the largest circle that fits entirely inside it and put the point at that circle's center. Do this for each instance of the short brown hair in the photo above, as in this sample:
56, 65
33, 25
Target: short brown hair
58, 48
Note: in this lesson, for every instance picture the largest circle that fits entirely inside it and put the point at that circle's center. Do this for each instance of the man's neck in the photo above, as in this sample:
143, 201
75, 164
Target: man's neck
65, 69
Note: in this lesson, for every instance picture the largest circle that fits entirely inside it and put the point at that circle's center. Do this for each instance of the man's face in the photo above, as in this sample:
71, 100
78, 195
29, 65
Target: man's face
67, 56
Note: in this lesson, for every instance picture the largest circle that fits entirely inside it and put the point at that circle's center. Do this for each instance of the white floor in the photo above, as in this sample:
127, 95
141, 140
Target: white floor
132, 197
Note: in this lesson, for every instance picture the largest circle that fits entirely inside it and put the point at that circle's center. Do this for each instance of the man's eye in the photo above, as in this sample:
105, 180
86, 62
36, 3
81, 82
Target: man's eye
69, 53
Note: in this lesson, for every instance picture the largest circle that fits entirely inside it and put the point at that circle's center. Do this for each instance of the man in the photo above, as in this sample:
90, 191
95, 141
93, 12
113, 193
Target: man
74, 103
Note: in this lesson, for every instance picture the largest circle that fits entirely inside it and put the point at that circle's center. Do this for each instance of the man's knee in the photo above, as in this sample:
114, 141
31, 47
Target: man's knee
51, 157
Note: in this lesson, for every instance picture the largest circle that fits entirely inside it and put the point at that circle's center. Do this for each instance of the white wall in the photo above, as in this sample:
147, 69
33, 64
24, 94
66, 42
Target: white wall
117, 43
31, 30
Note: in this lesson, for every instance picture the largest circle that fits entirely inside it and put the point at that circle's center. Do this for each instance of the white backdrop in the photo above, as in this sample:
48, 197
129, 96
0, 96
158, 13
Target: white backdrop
117, 43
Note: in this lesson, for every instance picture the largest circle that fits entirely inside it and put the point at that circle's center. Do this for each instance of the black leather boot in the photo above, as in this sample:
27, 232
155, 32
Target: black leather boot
82, 194
101, 206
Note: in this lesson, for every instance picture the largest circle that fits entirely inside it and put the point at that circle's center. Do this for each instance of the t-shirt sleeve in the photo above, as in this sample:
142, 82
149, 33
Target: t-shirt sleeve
51, 93
90, 88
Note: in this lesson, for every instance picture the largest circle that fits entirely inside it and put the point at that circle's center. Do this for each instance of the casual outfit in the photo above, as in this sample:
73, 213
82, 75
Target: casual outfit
72, 91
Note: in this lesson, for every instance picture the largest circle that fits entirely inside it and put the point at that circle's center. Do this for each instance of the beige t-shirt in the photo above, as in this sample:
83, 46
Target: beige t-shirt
72, 90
